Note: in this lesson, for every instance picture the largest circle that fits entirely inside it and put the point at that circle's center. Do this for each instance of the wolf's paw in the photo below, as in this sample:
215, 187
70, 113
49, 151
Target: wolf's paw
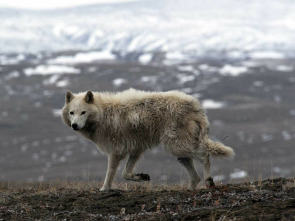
144, 176
104, 188
137, 177
209, 182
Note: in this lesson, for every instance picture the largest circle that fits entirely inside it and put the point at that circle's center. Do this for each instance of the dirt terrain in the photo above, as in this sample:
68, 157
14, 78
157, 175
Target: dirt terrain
272, 199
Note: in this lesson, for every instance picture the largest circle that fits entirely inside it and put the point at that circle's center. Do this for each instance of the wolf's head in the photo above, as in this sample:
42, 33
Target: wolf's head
78, 109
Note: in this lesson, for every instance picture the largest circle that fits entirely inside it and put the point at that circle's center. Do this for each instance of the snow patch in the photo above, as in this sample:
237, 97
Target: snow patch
68, 152
251, 64
238, 174
284, 68
119, 82
51, 69
51, 80
266, 137
286, 135
150, 79
229, 70
277, 98
145, 58
211, 104
258, 83
35, 156
188, 68
62, 83
57, 112
206, 67
62, 159
63, 30
292, 112
267, 55
9, 60
24, 148
281, 171
183, 78
83, 58
13, 74
173, 58
92, 69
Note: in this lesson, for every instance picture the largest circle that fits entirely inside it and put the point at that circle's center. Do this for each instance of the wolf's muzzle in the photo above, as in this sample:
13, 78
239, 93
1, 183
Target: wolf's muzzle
75, 126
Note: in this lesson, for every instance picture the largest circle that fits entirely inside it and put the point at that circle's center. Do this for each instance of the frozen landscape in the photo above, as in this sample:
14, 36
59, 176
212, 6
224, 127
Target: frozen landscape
236, 57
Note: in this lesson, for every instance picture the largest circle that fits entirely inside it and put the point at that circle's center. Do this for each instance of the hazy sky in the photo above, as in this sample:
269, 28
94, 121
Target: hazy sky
51, 4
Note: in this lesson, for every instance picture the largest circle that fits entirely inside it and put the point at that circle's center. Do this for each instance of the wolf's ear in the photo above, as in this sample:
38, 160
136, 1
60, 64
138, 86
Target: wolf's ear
89, 98
69, 97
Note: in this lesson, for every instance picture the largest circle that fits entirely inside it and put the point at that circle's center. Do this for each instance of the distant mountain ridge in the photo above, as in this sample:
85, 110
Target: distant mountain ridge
229, 27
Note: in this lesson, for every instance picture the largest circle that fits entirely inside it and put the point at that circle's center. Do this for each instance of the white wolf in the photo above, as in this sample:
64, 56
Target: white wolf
130, 122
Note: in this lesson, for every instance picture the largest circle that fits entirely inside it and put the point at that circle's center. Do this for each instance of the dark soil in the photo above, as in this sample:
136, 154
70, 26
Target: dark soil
261, 200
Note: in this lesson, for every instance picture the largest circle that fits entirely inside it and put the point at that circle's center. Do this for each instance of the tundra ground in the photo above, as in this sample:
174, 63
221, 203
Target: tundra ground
272, 199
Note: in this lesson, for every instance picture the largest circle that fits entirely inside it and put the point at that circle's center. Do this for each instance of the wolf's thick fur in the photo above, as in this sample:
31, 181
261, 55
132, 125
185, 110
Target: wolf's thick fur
132, 121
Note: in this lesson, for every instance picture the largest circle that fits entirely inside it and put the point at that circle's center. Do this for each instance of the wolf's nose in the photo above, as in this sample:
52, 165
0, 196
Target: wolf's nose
75, 126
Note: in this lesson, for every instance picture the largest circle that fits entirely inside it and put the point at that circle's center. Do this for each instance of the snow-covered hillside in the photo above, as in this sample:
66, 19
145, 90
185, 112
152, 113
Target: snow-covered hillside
228, 28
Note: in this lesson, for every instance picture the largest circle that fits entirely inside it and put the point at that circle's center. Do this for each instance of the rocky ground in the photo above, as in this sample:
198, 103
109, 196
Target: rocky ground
272, 199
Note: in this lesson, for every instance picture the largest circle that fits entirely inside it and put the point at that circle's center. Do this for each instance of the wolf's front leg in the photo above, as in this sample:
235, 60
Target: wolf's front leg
128, 171
113, 163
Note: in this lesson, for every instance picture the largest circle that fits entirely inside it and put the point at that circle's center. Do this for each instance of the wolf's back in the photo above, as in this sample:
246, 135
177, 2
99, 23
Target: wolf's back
217, 149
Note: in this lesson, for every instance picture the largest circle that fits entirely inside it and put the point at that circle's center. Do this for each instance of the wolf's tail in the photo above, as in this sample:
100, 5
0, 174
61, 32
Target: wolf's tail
217, 149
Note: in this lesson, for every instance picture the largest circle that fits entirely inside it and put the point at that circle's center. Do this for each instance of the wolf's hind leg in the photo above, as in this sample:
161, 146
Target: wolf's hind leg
128, 171
113, 163
208, 179
188, 163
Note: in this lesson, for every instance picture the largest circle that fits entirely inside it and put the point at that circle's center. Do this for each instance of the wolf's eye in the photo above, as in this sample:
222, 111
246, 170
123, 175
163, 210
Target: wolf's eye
71, 113
83, 112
